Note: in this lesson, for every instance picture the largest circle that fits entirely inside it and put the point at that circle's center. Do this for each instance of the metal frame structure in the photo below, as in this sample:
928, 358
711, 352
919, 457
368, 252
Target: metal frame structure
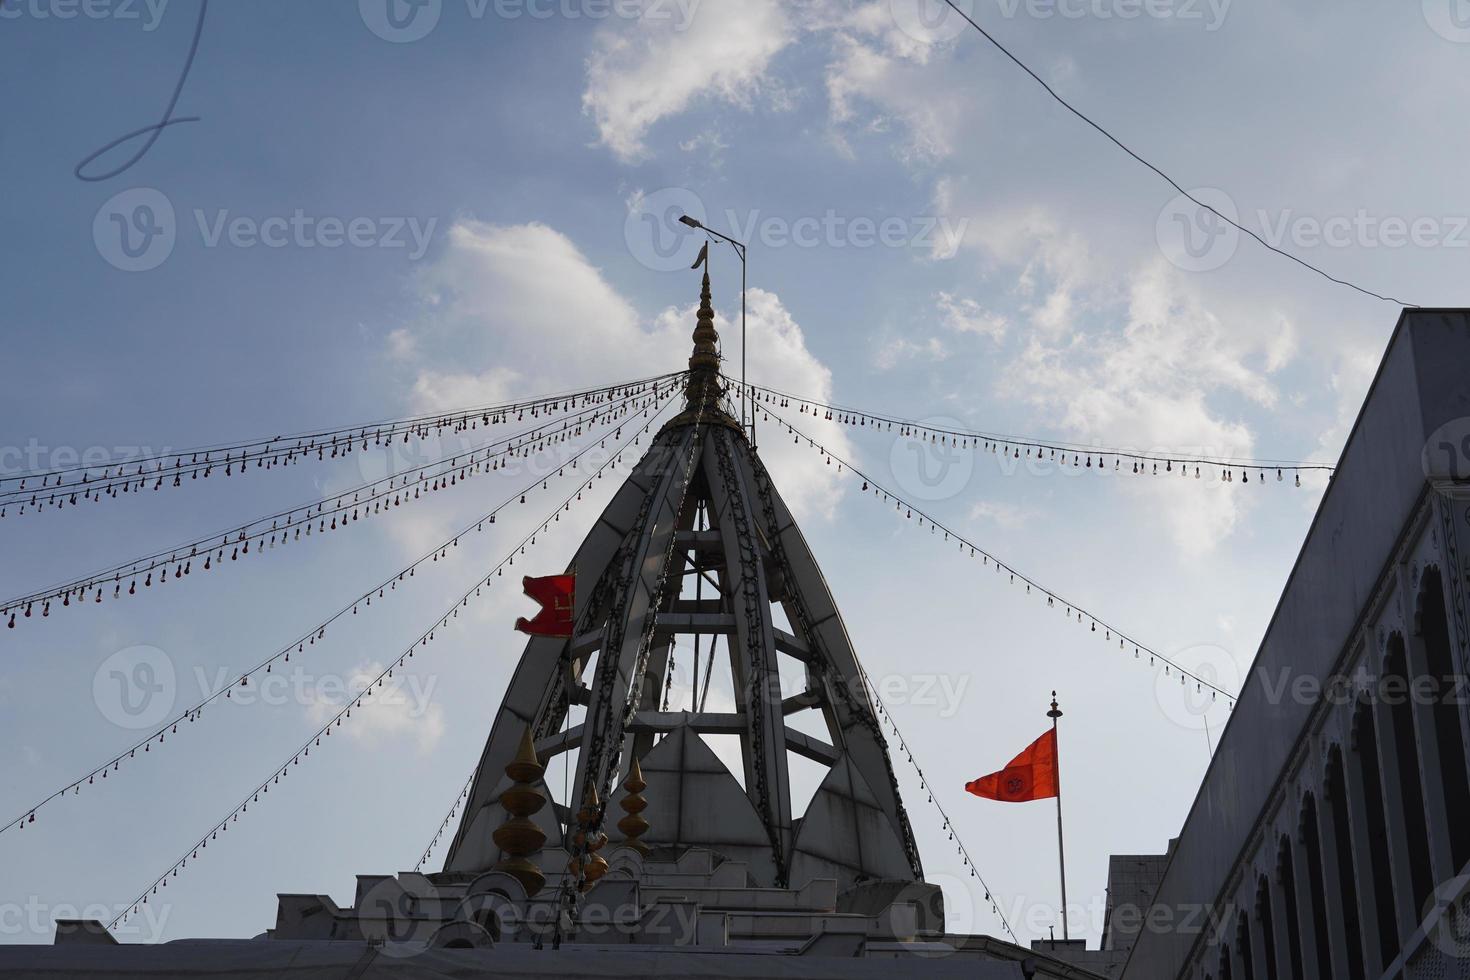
631, 606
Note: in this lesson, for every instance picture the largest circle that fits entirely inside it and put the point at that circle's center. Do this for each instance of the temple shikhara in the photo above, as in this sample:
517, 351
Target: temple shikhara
666, 854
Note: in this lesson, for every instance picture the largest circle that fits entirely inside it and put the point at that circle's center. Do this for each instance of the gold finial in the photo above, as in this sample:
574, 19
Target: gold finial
634, 825
519, 837
704, 362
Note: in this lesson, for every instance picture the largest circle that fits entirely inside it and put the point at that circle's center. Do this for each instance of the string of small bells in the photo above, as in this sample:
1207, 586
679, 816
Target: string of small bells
947, 826
1171, 668
320, 517
444, 824
1231, 471
356, 702
71, 486
318, 632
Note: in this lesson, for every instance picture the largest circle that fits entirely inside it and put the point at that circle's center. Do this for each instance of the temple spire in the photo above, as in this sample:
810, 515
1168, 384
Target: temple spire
704, 362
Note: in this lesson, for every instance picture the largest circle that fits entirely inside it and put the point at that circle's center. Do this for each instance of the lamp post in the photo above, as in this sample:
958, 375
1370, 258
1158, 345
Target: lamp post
739, 248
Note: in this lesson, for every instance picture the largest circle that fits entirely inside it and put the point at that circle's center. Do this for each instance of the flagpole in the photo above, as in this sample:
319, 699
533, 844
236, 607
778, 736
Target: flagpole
1054, 714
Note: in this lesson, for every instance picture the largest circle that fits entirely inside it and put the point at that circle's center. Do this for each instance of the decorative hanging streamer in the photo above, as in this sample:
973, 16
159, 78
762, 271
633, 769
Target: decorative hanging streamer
1052, 599
356, 701
924, 784
88, 482
309, 639
448, 817
328, 514
1062, 453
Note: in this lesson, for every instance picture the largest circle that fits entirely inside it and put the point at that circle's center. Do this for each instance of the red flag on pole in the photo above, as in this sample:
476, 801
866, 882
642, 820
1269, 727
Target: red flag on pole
1032, 775
556, 594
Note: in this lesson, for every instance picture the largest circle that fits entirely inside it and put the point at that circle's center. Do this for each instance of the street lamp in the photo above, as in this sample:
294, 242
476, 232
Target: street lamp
740, 251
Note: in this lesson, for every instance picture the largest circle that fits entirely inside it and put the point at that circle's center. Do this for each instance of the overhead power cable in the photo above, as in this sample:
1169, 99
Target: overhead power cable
1169, 180
314, 741
300, 644
1053, 599
1061, 452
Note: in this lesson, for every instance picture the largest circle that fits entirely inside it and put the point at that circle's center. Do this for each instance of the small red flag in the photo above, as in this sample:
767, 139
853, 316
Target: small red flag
1032, 775
556, 594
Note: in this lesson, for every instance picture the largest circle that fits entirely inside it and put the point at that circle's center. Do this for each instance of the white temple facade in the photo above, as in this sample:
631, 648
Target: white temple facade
1331, 836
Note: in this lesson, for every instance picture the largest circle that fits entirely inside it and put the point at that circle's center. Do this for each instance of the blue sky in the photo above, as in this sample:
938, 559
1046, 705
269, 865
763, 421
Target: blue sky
929, 236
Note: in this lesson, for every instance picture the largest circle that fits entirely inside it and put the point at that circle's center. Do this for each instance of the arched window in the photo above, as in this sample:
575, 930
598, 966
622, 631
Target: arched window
1266, 922
1335, 803
1243, 946
1312, 845
1365, 754
1408, 795
1293, 937
1434, 630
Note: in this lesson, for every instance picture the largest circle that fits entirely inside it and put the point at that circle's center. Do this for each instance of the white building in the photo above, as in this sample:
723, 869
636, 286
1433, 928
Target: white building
1331, 835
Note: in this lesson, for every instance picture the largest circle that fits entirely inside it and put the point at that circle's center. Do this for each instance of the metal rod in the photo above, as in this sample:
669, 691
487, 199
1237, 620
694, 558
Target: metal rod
698, 597
1054, 714
744, 391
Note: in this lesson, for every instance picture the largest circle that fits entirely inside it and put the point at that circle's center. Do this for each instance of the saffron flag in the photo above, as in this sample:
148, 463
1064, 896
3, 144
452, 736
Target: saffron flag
556, 594
1032, 775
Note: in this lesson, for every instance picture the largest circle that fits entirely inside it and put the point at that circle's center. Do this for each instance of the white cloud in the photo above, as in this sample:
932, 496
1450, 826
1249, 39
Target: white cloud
402, 707
1001, 514
514, 310
1353, 369
400, 345
900, 349
1152, 385
646, 70
1057, 263
710, 143
875, 88
967, 316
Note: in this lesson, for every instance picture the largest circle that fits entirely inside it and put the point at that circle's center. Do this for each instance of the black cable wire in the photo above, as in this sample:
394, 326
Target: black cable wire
1170, 180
